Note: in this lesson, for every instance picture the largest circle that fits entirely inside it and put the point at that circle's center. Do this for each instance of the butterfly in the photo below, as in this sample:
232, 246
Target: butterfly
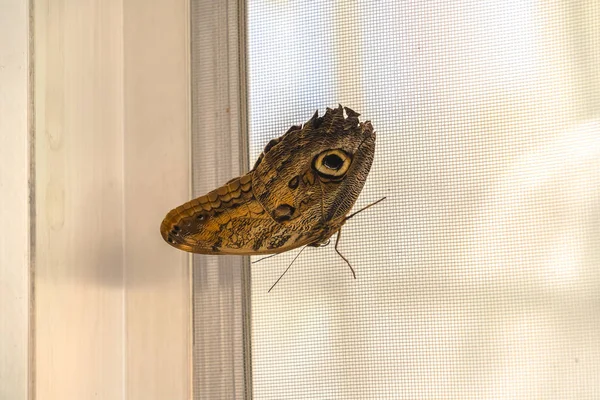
298, 193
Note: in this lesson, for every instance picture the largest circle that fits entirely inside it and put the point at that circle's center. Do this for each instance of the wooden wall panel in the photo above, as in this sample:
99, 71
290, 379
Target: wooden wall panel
112, 309
157, 135
79, 315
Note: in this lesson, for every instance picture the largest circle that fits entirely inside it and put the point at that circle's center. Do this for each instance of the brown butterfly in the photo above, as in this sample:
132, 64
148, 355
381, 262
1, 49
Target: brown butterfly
299, 192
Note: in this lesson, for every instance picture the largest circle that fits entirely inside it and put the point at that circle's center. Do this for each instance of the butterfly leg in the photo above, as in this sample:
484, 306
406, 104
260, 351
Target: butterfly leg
264, 258
337, 240
289, 266
325, 244
363, 209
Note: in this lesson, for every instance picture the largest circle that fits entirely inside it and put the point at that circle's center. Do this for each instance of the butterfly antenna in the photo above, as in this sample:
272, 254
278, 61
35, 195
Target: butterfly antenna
337, 240
289, 266
363, 209
264, 258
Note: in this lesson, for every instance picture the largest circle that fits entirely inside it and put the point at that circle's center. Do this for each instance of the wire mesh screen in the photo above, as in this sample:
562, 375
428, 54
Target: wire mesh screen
218, 153
479, 276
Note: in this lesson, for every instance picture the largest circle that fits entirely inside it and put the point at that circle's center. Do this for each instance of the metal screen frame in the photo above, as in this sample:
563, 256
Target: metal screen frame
221, 285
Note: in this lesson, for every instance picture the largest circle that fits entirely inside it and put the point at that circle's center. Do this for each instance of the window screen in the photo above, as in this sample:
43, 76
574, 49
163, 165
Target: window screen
479, 276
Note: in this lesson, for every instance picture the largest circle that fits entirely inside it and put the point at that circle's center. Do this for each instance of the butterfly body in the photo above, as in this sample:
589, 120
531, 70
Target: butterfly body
298, 193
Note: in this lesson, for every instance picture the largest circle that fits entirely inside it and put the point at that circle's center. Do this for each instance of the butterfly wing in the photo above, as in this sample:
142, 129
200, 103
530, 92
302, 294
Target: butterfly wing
229, 220
299, 192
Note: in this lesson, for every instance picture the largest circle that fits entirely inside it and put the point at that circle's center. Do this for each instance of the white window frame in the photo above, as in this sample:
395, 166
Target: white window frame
14, 209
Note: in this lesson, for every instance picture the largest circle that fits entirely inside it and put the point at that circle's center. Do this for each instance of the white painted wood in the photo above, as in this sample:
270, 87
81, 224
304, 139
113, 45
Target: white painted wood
157, 134
14, 203
112, 142
79, 315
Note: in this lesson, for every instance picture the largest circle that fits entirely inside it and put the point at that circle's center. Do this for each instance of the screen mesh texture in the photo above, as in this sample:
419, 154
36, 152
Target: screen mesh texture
479, 276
